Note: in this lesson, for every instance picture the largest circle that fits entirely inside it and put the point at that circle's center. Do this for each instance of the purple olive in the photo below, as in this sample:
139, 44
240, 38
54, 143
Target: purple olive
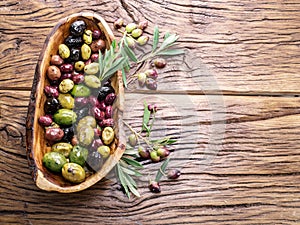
56, 60
144, 153
54, 134
93, 100
143, 24
152, 108
151, 84
96, 144
118, 23
151, 73
77, 79
98, 45
51, 91
95, 57
154, 187
108, 112
163, 152
45, 120
96, 34
99, 115
106, 123
110, 98
87, 62
66, 76
160, 63
101, 105
66, 68
173, 174
81, 101
97, 132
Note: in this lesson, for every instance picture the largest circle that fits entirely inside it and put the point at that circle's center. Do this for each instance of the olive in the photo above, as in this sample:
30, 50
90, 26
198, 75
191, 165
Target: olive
54, 161
94, 160
130, 42
51, 91
78, 78
130, 27
54, 134
56, 60
151, 84
95, 57
97, 133
79, 65
96, 143
132, 140
51, 105
142, 40
93, 100
118, 23
106, 123
154, 157
81, 102
72, 41
110, 98
101, 105
77, 28
174, 174
154, 187
163, 152
143, 24
141, 79
63, 51
74, 54
85, 135
92, 81
66, 68
104, 151
65, 117
144, 153
152, 108
45, 120
68, 134
87, 121
108, 112
66, 85
160, 63
87, 36
85, 52
103, 92
66, 76
96, 34
62, 148
73, 172
66, 101
78, 155
92, 68
151, 73
82, 113
53, 73
98, 45
108, 135
74, 140
80, 90
136, 33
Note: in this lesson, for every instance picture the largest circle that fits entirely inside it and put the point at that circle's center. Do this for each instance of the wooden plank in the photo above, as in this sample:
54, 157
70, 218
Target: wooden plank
248, 47
252, 178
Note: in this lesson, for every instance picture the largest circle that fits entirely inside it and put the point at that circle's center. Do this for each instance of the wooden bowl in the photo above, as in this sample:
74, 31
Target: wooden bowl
36, 144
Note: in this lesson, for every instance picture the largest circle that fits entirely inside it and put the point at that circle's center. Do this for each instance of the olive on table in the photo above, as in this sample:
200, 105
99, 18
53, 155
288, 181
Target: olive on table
110, 98
77, 28
72, 41
45, 120
51, 91
73, 172
85, 52
66, 101
54, 161
74, 54
85, 135
78, 155
91, 69
66, 68
56, 60
63, 51
79, 65
98, 45
78, 78
103, 92
51, 105
68, 134
66, 85
54, 134
65, 117
80, 90
53, 72
87, 36
151, 84
92, 81
104, 151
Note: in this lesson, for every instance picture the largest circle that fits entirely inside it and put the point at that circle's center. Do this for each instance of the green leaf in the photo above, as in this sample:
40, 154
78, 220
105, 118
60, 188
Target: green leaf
146, 118
171, 52
131, 186
129, 52
100, 61
162, 170
131, 172
164, 141
132, 162
167, 35
155, 38
130, 151
168, 42
124, 78
118, 64
122, 180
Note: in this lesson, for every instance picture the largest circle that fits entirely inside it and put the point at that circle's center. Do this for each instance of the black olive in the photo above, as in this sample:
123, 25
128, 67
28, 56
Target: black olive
74, 54
77, 28
71, 41
82, 113
51, 105
94, 160
103, 91
68, 134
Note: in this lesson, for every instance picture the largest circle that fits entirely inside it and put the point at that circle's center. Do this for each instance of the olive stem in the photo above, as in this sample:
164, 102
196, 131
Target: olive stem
140, 136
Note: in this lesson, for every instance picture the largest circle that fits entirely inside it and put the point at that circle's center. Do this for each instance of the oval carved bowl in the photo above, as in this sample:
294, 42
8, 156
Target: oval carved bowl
36, 144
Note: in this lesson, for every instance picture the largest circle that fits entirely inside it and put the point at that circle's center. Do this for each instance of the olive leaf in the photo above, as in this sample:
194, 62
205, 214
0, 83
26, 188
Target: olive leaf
164, 141
146, 118
155, 38
162, 170
129, 52
132, 162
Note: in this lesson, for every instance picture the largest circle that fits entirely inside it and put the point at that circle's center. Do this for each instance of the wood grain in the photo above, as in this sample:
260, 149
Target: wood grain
252, 178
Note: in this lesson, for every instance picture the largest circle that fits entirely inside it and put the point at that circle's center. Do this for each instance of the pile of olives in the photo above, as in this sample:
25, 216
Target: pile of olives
78, 117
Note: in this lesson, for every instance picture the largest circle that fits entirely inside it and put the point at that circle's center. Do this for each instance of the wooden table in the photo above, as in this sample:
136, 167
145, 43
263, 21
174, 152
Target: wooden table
232, 103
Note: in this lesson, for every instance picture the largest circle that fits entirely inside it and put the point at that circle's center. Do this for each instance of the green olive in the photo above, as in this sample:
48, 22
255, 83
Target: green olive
92, 81
85, 52
92, 68
78, 155
63, 51
87, 36
87, 121
62, 148
79, 65
85, 135
80, 90
73, 172
54, 161
66, 85
108, 135
66, 101
104, 151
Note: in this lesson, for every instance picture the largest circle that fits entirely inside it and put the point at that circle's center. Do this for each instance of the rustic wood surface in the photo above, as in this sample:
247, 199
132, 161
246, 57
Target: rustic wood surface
232, 103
